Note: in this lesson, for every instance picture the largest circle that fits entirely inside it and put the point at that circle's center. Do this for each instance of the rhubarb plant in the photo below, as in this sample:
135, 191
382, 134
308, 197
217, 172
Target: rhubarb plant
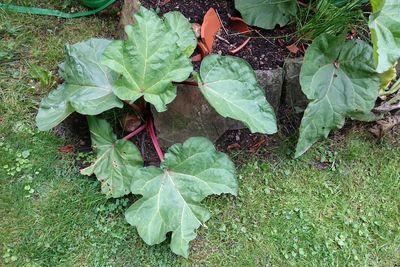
341, 78
384, 24
141, 71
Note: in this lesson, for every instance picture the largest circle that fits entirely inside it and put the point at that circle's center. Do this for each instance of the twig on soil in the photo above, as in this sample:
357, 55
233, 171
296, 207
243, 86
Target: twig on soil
223, 39
387, 108
222, 24
240, 33
265, 38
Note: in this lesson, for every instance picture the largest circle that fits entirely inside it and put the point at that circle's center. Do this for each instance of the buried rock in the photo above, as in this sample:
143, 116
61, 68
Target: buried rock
191, 115
293, 95
129, 8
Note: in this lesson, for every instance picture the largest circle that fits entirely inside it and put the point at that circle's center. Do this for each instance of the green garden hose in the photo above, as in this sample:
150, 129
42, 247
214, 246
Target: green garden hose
99, 5
93, 3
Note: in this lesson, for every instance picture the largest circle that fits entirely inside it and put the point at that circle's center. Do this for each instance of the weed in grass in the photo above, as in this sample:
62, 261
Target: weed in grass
45, 77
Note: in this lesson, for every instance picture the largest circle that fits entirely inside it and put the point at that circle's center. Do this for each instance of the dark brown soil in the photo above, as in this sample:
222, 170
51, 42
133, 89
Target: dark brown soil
264, 51
242, 144
76, 131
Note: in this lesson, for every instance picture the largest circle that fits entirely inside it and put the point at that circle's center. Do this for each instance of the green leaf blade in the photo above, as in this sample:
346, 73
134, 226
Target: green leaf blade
230, 86
87, 88
384, 24
178, 23
267, 13
53, 109
172, 194
151, 59
348, 86
117, 160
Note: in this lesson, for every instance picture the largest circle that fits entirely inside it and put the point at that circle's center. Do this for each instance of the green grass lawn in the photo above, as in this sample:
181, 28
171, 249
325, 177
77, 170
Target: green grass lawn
288, 212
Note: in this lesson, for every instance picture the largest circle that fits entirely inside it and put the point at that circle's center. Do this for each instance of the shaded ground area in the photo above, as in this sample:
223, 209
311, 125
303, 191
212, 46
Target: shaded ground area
338, 205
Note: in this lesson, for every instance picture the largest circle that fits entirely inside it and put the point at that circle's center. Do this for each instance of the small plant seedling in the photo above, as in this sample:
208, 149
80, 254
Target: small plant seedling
44, 77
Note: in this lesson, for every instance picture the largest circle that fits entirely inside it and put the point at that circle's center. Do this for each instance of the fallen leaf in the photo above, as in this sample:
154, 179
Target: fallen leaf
384, 126
197, 58
254, 147
293, 48
211, 25
233, 146
66, 149
164, 2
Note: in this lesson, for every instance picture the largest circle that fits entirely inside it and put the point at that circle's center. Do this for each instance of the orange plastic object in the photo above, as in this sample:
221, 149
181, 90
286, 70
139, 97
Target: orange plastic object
238, 25
211, 25
236, 50
203, 48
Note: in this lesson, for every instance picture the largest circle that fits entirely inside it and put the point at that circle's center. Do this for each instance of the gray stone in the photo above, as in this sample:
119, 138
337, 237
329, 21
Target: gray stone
129, 8
271, 81
189, 115
293, 95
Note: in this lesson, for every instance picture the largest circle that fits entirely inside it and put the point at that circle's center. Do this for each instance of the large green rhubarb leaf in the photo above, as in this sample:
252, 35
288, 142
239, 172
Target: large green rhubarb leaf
172, 193
155, 54
340, 80
87, 88
385, 33
117, 160
187, 39
267, 13
230, 85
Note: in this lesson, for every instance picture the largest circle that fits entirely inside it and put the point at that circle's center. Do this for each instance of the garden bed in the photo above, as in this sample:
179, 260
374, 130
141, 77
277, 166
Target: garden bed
263, 52
190, 115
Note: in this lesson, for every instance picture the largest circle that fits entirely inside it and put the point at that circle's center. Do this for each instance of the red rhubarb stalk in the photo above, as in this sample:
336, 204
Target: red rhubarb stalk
135, 132
152, 133
192, 83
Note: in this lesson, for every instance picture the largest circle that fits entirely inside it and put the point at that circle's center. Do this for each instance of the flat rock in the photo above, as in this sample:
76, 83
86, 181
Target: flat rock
191, 115
129, 8
293, 95
271, 81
